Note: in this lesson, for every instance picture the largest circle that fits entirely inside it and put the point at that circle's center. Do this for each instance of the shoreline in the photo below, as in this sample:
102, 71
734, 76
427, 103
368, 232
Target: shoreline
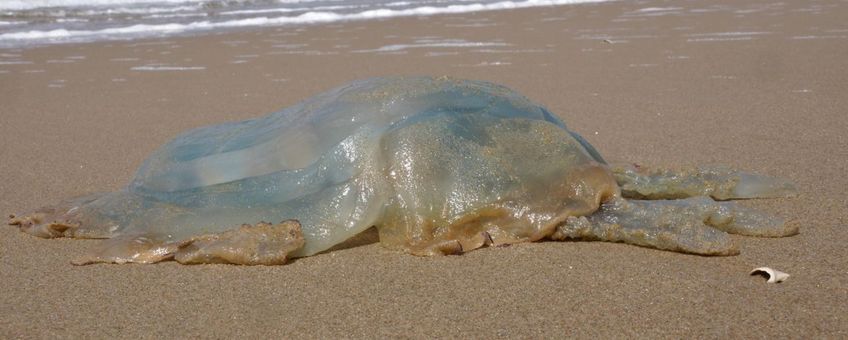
756, 86
317, 16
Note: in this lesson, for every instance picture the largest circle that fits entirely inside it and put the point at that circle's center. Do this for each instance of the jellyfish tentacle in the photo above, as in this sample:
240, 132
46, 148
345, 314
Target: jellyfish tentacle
735, 219
696, 225
79, 217
720, 183
652, 224
259, 244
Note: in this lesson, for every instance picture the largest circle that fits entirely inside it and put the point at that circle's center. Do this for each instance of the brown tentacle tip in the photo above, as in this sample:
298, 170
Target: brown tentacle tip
259, 244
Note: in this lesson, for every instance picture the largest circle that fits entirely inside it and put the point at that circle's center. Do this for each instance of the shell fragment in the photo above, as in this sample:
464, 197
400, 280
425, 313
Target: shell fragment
774, 276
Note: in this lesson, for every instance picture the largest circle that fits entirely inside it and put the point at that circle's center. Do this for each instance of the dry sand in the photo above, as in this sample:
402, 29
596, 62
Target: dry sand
760, 86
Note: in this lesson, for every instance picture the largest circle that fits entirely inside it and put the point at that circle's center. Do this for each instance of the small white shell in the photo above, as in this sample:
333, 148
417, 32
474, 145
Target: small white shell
774, 276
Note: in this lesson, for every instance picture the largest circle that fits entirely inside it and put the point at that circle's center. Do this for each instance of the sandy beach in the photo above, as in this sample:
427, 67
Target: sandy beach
759, 86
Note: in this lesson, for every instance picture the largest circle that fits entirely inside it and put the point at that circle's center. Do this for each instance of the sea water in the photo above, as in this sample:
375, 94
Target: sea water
37, 22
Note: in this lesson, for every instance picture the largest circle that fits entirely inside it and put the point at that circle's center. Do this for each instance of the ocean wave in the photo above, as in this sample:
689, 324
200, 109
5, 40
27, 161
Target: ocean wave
311, 17
285, 10
17, 5
97, 13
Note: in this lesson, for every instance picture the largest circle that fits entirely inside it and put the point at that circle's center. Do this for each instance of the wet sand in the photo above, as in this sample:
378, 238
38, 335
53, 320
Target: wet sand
759, 86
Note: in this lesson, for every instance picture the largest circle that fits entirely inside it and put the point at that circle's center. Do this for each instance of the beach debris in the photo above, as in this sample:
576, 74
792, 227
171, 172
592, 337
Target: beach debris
438, 165
773, 275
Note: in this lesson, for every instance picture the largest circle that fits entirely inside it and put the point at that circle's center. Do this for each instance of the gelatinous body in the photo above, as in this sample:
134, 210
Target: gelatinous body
439, 166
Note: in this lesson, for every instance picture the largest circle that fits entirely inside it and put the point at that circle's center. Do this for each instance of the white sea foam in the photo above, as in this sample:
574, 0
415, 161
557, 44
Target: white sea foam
175, 15
310, 17
136, 10
525, 50
31, 4
64, 21
809, 37
654, 11
284, 10
261, 11
167, 68
658, 9
443, 43
727, 34
492, 63
720, 39
724, 36
303, 52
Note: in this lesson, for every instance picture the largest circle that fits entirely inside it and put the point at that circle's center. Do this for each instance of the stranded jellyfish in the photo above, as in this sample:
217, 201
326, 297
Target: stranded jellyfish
437, 165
